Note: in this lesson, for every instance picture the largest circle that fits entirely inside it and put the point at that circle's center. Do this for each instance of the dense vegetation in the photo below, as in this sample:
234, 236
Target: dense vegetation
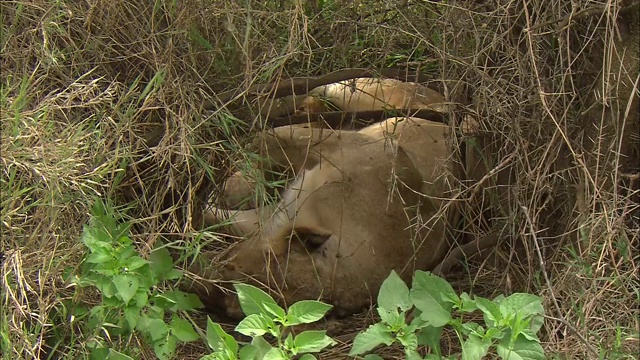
104, 99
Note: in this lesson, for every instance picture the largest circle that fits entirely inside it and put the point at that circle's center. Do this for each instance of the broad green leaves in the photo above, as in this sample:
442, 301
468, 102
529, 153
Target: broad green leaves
394, 293
311, 341
219, 340
512, 322
433, 296
306, 312
265, 316
374, 336
256, 301
254, 325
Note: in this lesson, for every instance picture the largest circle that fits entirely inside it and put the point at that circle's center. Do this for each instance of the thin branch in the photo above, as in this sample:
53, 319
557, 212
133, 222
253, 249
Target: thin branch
548, 282
590, 11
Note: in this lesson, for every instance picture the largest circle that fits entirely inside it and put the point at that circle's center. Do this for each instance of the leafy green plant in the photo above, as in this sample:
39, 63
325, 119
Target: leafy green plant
266, 317
131, 298
511, 322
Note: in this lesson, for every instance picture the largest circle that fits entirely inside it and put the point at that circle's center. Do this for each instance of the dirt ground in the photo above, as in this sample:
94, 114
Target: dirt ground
126, 100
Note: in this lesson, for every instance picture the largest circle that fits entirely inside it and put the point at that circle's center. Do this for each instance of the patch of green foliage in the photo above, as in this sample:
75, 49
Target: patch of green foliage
131, 296
511, 322
266, 317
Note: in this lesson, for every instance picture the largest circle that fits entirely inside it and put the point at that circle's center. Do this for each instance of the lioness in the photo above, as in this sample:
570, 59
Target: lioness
358, 94
346, 220
363, 94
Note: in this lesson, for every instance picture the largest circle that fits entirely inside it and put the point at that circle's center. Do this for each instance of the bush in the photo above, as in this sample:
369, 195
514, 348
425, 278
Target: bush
131, 297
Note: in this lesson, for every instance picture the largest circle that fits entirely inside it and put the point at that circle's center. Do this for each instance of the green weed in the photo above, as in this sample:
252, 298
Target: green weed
511, 322
266, 317
131, 299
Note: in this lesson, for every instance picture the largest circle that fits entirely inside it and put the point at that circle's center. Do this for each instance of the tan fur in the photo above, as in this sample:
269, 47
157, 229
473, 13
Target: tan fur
282, 106
364, 94
345, 222
238, 191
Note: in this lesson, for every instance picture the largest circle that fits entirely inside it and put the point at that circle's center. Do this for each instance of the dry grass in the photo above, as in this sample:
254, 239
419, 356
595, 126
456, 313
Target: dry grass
104, 98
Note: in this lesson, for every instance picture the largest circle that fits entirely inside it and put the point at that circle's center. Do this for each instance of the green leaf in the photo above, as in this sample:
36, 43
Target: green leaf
141, 298
262, 345
99, 256
248, 352
165, 348
156, 328
132, 314
127, 286
218, 339
173, 274
530, 335
255, 301
472, 328
107, 287
536, 323
375, 335
274, 311
430, 336
99, 353
256, 350
442, 287
373, 357
433, 357
528, 306
307, 357
427, 296
95, 238
410, 354
177, 300
494, 333
135, 263
418, 322
126, 253
393, 318
468, 304
114, 355
491, 311
312, 341
161, 262
525, 304
523, 349
408, 340
475, 348
253, 325
394, 294
289, 345
275, 354
306, 312
183, 330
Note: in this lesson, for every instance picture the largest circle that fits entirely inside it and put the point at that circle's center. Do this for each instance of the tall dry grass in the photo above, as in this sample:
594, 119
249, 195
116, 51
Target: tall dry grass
104, 98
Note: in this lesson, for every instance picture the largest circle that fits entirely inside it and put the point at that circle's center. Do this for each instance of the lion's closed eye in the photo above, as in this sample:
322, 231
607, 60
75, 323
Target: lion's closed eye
308, 240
